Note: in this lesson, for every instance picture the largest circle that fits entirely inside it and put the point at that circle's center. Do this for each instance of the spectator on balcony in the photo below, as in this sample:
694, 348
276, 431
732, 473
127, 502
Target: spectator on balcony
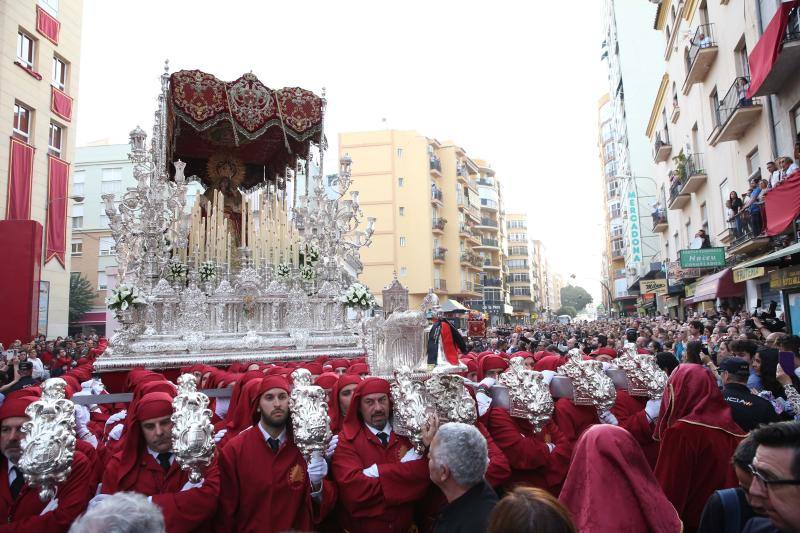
788, 167
735, 206
774, 174
742, 84
701, 235
674, 183
702, 40
763, 185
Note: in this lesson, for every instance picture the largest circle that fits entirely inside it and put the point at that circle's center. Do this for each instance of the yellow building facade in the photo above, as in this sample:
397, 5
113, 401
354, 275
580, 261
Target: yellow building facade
520, 264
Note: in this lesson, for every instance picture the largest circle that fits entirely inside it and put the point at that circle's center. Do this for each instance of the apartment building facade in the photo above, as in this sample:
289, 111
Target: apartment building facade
719, 116
520, 262
39, 87
438, 219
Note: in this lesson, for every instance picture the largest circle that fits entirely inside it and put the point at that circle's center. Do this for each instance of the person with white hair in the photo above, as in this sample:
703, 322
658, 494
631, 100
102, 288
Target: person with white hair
458, 460
123, 512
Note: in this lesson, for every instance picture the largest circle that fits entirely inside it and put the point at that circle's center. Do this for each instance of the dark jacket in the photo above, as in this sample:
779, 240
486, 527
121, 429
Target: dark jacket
717, 518
749, 410
469, 513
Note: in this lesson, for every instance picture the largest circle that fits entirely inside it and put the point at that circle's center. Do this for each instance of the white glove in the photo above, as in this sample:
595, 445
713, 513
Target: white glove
97, 499
607, 417
82, 416
550, 447
116, 417
371, 471
116, 432
548, 376
652, 408
332, 447
797, 372
52, 505
90, 438
488, 382
189, 485
219, 434
606, 365
97, 386
484, 402
317, 469
411, 455
221, 406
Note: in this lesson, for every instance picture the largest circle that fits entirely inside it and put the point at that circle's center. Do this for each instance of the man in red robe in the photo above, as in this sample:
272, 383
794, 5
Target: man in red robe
146, 464
266, 483
20, 507
379, 475
637, 414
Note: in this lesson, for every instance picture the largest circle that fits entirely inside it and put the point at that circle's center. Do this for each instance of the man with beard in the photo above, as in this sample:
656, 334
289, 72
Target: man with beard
146, 464
266, 483
379, 475
20, 507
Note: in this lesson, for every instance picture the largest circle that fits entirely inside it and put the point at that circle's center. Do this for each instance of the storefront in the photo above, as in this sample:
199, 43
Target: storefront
787, 280
713, 291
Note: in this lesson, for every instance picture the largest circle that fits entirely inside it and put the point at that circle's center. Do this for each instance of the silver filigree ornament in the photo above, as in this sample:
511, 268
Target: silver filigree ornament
451, 399
49, 443
590, 384
192, 431
529, 395
410, 407
645, 378
311, 424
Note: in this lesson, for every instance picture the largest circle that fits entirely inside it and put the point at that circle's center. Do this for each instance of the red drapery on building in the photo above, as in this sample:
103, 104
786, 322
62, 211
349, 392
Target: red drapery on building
61, 104
763, 56
20, 181
19, 279
47, 25
56, 234
782, 205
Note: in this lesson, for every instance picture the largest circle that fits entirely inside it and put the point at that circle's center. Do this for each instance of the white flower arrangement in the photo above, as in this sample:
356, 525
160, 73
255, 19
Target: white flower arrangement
282, 271
358, 296
208, 271
307, 272
123, 297
311, 255
176, 271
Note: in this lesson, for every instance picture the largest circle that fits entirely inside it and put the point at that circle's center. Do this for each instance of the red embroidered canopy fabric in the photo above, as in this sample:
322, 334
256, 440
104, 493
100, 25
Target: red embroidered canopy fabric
20, 181
61, 104
267, 129
763, 56
47, 25
56, 233
782, 205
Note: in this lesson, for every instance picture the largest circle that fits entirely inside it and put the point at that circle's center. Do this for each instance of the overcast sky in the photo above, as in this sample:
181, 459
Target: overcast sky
508, 81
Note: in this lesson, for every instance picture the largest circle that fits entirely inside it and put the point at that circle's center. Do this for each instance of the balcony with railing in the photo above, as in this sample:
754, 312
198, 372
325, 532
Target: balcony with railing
689, 175
487, 223
486, 181
471, 261
438, 225
461, 173
439, 285
492, 282
468, 287
489, 204
435, 165
439, 254
785, 65
437, 197
661, 147
487, 242
748, 228
660, 220
702, 53
489, 264
735, 113
461, 201
617, 248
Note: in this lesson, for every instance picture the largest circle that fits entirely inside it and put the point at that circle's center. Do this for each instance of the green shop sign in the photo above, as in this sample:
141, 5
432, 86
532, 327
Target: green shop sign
703, 258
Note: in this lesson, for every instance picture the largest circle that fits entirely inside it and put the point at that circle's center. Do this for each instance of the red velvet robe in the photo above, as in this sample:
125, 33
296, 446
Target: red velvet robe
266, 491
527, 452
22, 514
693, 462
183, 510
629, 411
377, 504
573, 419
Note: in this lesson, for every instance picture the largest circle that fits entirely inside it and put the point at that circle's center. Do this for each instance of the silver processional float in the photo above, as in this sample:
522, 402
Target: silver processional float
263, 266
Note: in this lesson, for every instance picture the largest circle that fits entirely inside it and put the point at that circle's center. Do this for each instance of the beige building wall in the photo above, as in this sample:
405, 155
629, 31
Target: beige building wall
520, 263
85, 255
17, 85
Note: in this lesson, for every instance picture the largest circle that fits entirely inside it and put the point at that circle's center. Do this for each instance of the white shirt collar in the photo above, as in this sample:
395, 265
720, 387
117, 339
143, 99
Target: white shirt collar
281, 437
387, 429
155, 455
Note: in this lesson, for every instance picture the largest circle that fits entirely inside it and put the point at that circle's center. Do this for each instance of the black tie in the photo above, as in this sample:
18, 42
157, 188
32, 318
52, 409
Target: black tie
274, 444
163, 460
16, 485
384, 438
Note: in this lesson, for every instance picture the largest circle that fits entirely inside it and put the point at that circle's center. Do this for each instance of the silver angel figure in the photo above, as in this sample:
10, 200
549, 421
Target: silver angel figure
410, 407
49, 443
590, 384
529, 396
644, 376
311, 424
453, 402
192, 431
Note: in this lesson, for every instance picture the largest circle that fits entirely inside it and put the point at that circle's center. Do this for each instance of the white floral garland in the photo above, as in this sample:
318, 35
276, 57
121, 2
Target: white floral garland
208, 271
123, 297
358, 296
307, 272
282, 271
177, 271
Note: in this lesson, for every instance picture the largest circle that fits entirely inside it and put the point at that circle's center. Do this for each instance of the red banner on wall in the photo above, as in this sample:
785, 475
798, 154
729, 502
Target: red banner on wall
56, 232
61, 104
766, 51
47, 25
20, 181
782, 205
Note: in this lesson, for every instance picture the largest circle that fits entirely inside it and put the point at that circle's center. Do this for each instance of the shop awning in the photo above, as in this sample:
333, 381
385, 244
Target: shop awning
768, 258
766, 51
719, 285
93, 317
452, 306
